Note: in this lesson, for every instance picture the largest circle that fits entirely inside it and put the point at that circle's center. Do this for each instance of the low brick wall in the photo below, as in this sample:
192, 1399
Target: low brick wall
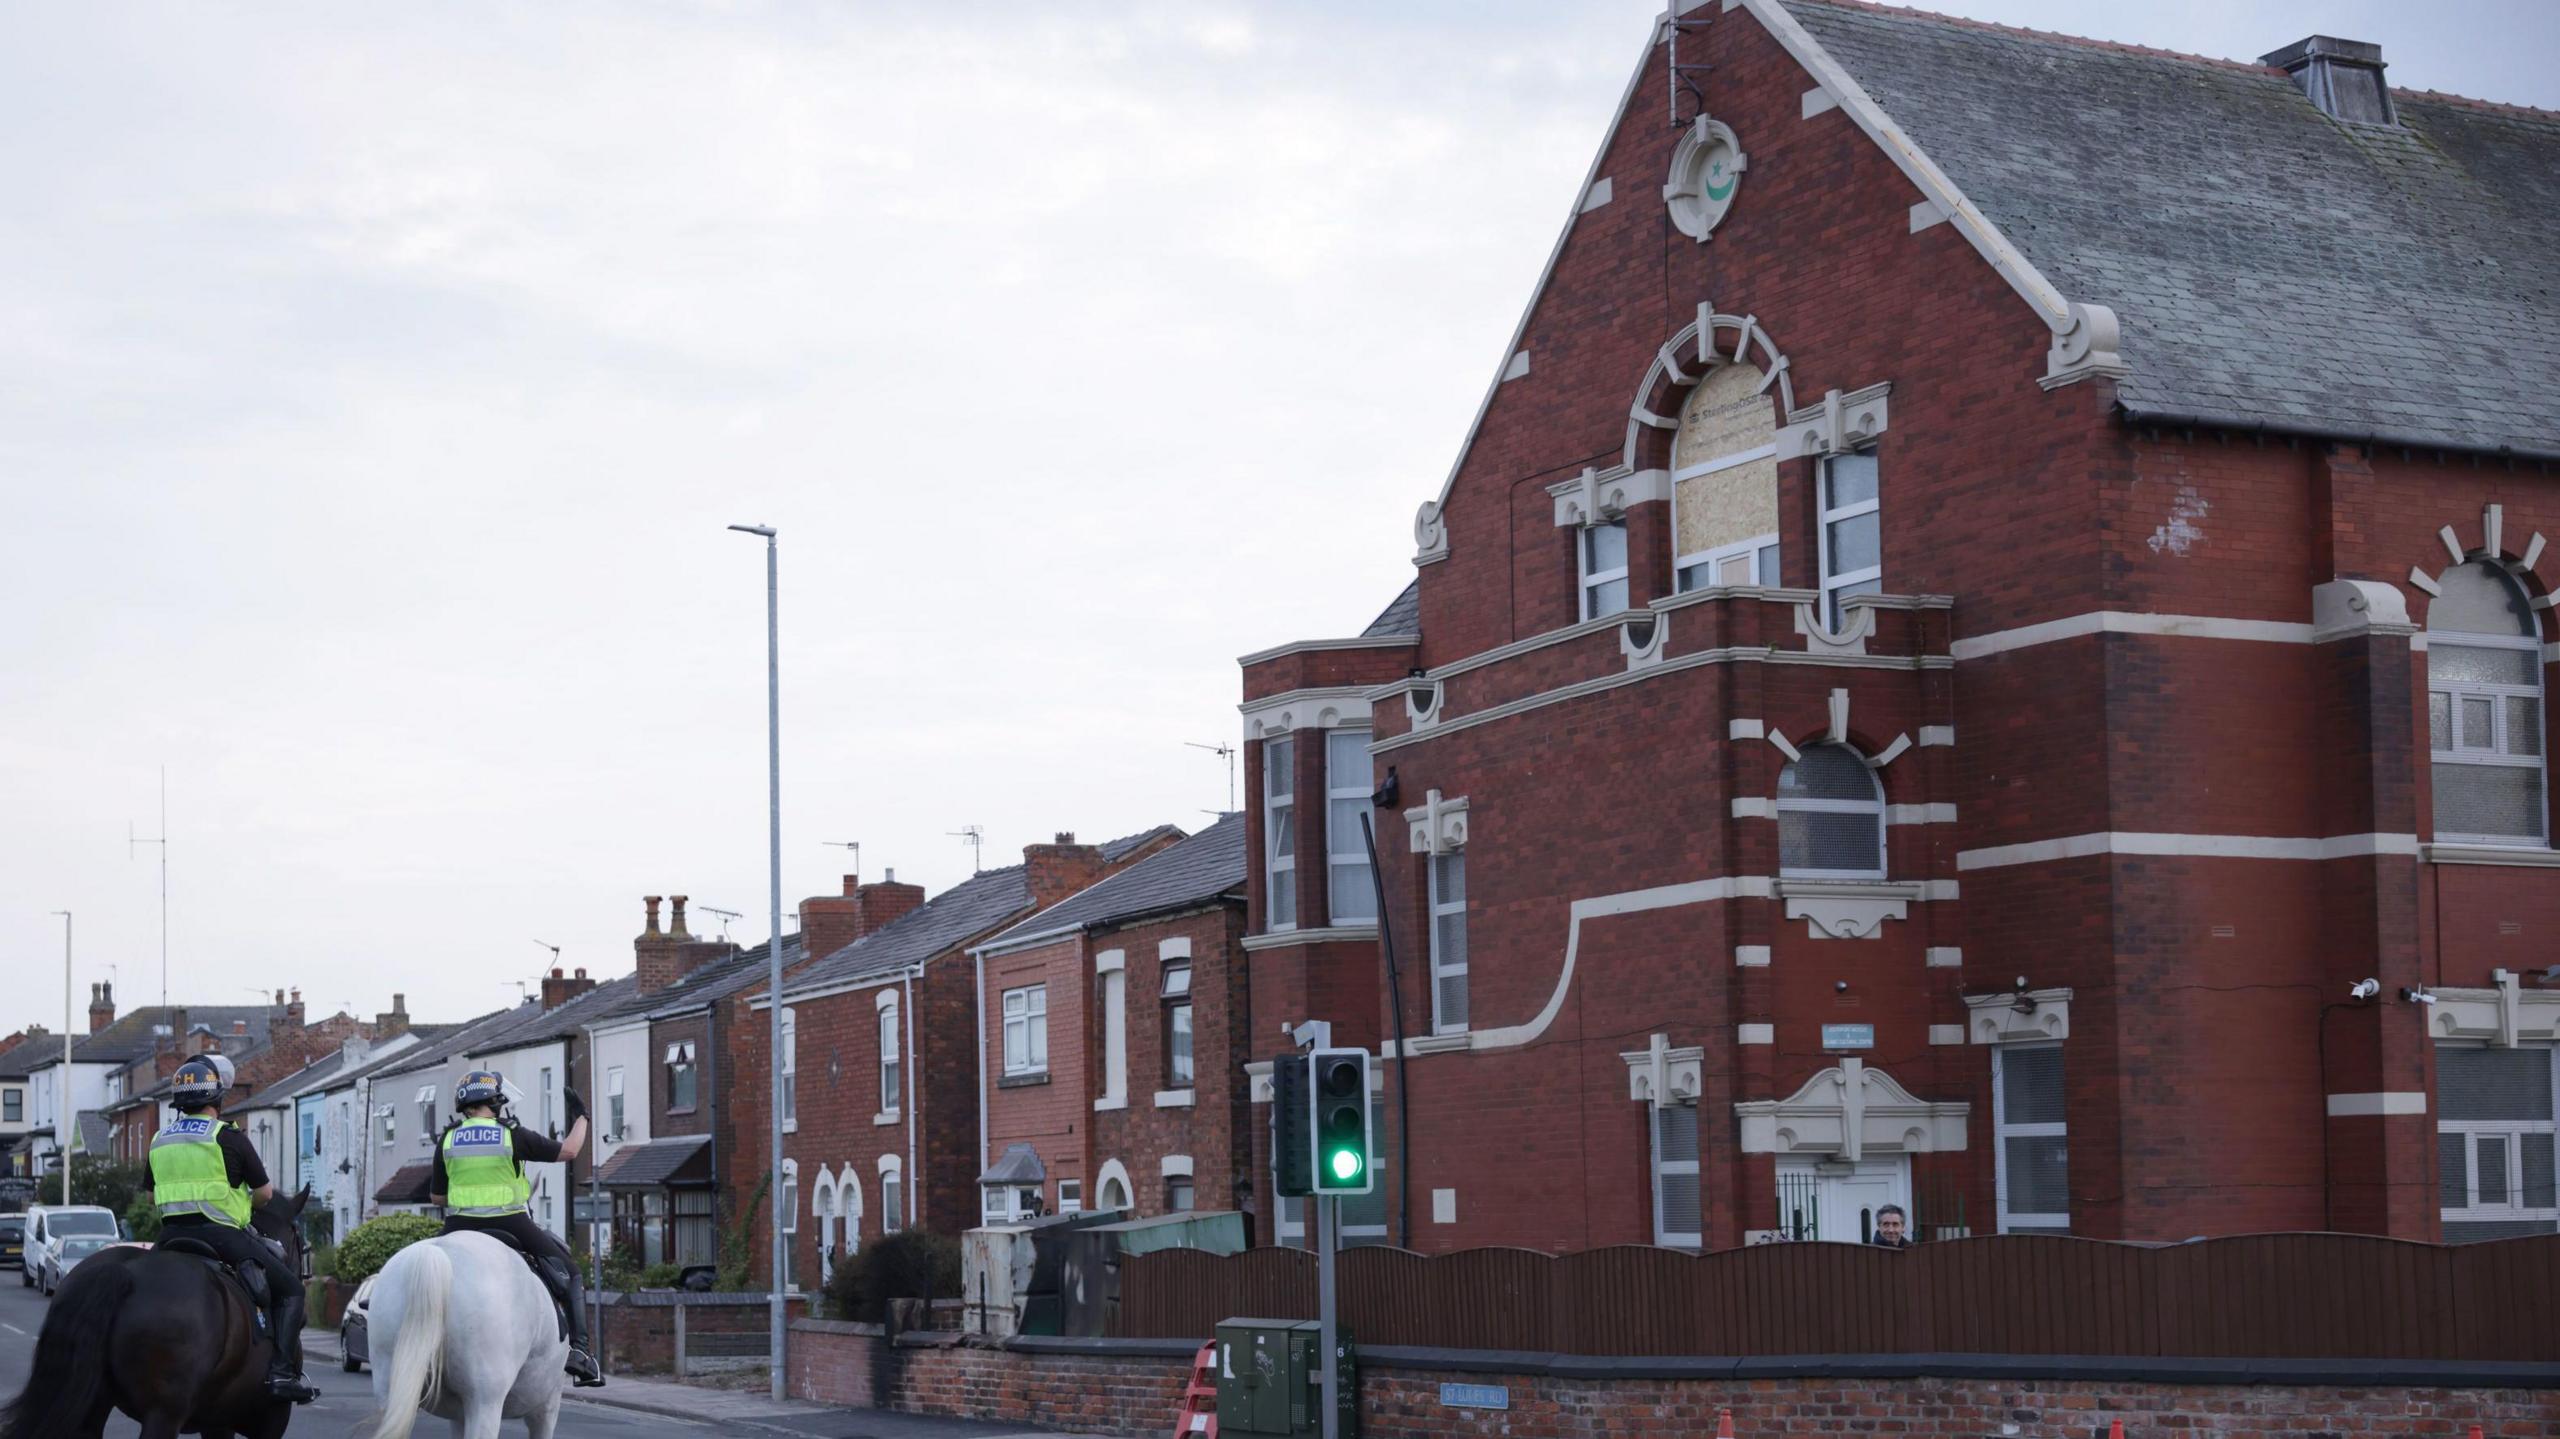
1130, 1387
637, 1331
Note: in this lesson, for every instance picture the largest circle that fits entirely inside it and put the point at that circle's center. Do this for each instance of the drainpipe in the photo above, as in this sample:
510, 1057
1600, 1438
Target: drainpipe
912, 1099
980, 960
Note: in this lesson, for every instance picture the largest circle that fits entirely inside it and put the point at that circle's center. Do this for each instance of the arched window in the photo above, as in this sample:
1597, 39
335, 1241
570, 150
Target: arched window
2484, 708
822, 1202
1830, 816
849, 1204
1724, 482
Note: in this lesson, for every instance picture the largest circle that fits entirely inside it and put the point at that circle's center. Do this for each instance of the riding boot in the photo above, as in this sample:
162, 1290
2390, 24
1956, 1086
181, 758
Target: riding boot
284, 1330
562, 1281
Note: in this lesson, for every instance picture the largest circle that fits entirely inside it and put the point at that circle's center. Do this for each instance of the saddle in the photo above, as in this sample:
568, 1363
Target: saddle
251, 1283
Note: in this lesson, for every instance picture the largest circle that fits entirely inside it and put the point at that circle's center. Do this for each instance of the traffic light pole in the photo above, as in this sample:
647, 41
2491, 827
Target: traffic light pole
1328, 1334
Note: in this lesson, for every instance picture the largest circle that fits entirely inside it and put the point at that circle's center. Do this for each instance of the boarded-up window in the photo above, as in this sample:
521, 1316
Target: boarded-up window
1724, 494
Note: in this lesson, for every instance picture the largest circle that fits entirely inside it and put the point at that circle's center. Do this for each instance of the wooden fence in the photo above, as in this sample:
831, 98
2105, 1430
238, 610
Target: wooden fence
2263, 1296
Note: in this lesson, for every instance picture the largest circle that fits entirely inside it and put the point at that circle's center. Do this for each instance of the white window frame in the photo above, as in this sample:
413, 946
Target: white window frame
1169, 1002
1714, 559
680, 1055
389, 1115
545, 1084
613, 1098
1588, 580
1347, 850
1668, 1168
426, 1109
2495, 756
893, 1194
1112, 999
1071, 1196
1832, 583
892, 1059
2513, 1132
1026, 1010
1280, 763
2002, 1131
790, 1071
1440, 968
1873, 806
822, 1201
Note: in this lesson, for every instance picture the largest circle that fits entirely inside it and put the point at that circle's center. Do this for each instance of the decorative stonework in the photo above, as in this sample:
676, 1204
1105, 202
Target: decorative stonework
1850, 1111
1437, 825
1698, 343
1643, 638
2085, 345
2500, 1016
2023, 1015
1706, 172
1305, 709
1838, 423
2492, 549
1422, 701
1661, 1074
1430, 534
1848, 908
2344, 608
1596, 496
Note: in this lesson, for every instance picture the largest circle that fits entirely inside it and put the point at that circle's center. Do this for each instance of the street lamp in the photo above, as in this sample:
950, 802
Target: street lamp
773, 949
62, 1120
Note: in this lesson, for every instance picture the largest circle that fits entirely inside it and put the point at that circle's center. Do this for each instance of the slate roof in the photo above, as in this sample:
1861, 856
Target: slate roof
1402, 616
20, 1058
1202, 867
976, 906
434, 1051
131, 1037
717, 981
549, 1024
659, 1161
407, 1184
2269, 265
95, 1136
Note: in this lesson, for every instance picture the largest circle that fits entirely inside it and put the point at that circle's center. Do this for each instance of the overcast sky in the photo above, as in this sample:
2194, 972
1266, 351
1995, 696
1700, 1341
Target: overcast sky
376, 381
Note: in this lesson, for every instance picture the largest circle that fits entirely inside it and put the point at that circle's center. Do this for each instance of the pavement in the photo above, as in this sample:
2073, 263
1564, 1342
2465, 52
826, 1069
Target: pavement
625, 1408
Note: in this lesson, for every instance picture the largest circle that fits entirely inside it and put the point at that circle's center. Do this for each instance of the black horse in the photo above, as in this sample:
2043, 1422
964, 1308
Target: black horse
161, 1336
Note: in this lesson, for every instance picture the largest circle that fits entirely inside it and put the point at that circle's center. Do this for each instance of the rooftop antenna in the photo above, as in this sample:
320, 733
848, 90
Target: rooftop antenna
134, 841
1679, 73
852, 844
555, 951
524, 991
975, 837
1225, 752
726, 915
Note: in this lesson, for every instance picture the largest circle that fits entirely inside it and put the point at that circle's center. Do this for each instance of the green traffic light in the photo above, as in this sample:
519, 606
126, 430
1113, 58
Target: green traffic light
1346, 1164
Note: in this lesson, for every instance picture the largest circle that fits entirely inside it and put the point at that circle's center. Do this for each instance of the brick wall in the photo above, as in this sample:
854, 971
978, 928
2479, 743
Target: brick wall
1210, 1130
1130, 1389
638, 1331
1050, 1110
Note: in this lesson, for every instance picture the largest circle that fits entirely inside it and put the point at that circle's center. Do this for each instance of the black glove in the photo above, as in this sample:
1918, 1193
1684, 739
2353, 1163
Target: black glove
577, 1105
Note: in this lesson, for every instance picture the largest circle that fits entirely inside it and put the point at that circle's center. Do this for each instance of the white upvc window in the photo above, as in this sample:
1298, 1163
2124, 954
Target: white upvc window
426, 1110
613, 1102
1830, 816
1349, 895
790, 1070
1026, 1029
1071, 1196
893, 1196
545, 1085
791, 1223
2495, 1142
1852, 531
2484, 709
1112, 998
889, 1056
1678, 1220
1449, 942
1280, 833
1175, 986
1600, 557
390, 1123
2031, 1141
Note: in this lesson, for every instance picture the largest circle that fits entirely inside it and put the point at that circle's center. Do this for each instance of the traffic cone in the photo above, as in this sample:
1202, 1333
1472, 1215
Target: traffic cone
2115, 1429
1724, 1424
2475, 1431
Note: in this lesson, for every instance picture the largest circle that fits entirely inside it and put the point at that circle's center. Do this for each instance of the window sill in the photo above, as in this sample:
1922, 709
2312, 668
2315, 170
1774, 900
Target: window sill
1810, 887
791, 1126
1110, 1102
2521, 856
688, 1109
1174, 1098
1023, 1081
1449, 1043
1338, 934
886, 1116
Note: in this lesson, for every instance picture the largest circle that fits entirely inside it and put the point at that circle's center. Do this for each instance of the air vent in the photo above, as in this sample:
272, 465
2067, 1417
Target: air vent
2342, 77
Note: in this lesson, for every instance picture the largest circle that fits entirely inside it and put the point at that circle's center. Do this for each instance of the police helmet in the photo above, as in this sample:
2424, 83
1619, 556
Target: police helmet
197, 1083
480, 1086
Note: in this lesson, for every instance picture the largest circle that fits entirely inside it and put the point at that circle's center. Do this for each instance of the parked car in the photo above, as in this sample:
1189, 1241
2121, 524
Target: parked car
65, 1255
49, 1225
354, 1350
13, 1241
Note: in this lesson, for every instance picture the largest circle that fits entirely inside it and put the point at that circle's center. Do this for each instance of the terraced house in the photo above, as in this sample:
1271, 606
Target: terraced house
1999, 581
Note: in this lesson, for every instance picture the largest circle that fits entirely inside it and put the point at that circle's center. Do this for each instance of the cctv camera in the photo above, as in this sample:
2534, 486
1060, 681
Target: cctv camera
2416, 996
2365, 989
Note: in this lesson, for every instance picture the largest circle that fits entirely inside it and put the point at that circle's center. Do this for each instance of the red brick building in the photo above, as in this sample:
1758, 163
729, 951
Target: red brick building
1113, 1035
2000, 579
880, 1118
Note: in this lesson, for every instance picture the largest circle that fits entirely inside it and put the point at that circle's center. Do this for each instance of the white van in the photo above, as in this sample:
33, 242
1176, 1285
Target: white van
48, 1225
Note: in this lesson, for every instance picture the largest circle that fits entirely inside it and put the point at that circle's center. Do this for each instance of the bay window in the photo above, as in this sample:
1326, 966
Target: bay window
1349, 896
1280, 834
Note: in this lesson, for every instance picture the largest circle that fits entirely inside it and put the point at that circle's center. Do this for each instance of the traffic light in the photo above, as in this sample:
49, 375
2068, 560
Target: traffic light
1340, 1079
1293, 1147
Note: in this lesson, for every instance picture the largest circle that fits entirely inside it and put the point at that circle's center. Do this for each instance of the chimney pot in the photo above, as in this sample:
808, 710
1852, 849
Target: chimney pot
893, 875
652, 901
555, 971
675, 922
1066, 836
582, 971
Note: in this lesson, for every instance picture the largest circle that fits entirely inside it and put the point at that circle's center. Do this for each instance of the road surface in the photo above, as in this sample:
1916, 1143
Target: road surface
346, 1401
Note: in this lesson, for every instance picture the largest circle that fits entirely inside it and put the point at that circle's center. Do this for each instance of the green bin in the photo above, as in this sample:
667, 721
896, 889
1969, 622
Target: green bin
1268, 1383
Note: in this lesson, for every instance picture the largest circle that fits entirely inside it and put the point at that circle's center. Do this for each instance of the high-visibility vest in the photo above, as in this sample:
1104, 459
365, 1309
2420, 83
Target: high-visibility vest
187, 1173
481, 1177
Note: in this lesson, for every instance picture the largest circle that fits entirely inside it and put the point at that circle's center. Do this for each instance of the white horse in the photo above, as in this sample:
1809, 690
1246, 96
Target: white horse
461, 1328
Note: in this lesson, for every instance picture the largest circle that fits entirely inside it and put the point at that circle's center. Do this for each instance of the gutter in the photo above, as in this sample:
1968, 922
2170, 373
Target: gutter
2306, 430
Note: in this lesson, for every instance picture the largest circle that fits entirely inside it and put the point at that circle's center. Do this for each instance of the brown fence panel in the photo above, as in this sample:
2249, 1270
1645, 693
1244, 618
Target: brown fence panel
1382, 1296
1186, 1293
1491, 1299
1630, 1299
2507, 1293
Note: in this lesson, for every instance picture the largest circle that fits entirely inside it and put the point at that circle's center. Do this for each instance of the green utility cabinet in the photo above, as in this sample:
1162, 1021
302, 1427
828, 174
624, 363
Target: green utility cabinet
1268, 1382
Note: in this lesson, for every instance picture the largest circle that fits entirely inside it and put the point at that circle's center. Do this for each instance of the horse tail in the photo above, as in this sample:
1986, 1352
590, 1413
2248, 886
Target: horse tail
417, 1351
69, 1380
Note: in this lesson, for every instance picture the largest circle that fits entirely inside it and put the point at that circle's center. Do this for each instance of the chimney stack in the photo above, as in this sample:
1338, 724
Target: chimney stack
392, 1021
558, 990
102, 1005
2342, 77
667, 955
830, 922
1061, 868
293, 1009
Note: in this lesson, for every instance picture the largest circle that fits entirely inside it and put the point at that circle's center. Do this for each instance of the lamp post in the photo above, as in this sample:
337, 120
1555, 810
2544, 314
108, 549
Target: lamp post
773, 949
62, 1120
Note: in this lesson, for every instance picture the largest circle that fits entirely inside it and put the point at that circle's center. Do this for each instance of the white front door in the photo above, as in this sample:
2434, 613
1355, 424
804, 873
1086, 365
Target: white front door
1829, 1199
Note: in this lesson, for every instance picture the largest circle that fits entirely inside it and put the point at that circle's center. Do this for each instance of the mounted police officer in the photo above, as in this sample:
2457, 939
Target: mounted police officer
205, 1178
480, 1181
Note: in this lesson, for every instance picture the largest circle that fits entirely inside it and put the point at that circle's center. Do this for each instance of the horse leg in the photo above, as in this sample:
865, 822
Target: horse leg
480, 1416
159, 1423
538, 1424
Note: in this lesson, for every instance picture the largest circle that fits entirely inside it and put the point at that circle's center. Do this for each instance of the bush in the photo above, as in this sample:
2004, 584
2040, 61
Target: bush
621, 1271
142, 1219
373, 1242
912, 1265
109, 1183
661, 1276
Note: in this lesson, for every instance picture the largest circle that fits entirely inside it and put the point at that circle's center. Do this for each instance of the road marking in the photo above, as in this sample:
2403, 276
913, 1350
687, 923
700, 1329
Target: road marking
14, 1329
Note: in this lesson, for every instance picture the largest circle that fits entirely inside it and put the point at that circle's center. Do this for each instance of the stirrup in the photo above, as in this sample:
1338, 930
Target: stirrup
284, 1384
582, 1369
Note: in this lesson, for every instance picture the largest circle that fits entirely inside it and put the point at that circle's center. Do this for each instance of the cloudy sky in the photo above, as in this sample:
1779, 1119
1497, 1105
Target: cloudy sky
376, 381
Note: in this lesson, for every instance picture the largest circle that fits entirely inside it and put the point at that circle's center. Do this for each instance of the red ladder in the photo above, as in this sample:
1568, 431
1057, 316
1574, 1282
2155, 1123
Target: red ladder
1198, 1417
